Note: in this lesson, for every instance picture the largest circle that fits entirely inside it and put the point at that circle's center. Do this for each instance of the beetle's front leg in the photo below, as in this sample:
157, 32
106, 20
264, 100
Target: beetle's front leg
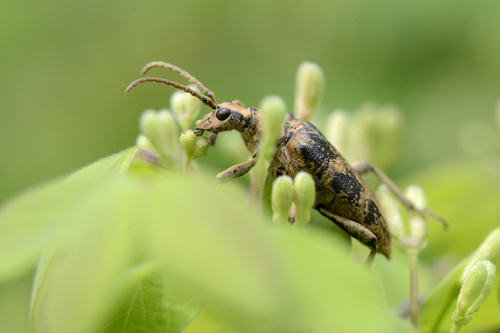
363, 168
355, 230
235, 171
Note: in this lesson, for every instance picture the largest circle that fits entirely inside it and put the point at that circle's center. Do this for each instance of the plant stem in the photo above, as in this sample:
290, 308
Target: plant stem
186, 164
413, 261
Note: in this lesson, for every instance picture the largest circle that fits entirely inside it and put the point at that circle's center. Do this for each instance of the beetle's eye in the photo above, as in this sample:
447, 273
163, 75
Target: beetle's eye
223, 114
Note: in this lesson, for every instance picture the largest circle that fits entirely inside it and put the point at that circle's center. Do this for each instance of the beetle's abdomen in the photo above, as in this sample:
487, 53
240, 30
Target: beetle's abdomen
338, 187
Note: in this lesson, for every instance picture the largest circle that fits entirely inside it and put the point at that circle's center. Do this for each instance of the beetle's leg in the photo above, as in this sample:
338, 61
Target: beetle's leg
235, 171
363, 168
355, 230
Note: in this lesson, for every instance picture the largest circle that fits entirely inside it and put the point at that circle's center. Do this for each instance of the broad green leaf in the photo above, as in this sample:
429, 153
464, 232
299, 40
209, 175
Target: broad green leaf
119, 163
139, 251
155, 304
36, 217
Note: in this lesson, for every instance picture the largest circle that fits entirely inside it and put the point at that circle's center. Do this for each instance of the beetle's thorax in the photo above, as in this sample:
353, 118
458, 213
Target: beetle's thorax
251, 131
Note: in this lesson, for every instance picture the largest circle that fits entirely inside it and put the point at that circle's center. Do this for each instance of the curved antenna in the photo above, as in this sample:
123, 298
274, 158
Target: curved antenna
182, 72
205, 99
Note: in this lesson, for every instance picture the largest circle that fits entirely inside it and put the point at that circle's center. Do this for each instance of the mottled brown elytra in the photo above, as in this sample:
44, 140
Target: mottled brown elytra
341, 195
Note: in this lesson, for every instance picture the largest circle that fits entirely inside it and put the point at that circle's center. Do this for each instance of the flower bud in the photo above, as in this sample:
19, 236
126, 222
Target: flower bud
390, 207
185, 107
143, 142
169, 130
418, 224
273, 111
338, 131
188, 142
304, 197
309, 87
281, 199
148, 126
201, 147
476, 288
374, 134
161, 129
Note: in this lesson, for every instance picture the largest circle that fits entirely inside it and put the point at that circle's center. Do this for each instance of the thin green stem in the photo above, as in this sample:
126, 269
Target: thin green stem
186, 164
413, 261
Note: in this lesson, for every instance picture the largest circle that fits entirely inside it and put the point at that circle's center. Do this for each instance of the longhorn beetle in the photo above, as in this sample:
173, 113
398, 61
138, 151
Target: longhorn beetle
341, 194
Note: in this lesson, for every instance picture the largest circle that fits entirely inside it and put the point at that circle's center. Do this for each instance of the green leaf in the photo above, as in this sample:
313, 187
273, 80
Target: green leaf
155, 304
140, 251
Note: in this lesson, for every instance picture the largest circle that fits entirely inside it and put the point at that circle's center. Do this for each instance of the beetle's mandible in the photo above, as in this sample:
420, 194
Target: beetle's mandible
341, 195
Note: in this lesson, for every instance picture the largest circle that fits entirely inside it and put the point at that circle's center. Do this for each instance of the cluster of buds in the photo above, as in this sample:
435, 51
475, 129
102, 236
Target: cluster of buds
293, 200
160, 131
371, 134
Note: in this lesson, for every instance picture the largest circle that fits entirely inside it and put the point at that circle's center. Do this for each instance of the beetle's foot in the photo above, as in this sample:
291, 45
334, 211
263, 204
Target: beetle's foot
371, 256
212, 137
427, 212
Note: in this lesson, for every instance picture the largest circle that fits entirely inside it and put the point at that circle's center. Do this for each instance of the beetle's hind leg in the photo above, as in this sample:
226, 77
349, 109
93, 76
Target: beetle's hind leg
362, 168
355, 230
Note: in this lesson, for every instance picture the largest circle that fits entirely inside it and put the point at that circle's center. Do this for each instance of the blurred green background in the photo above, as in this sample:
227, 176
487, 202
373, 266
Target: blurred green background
64, 67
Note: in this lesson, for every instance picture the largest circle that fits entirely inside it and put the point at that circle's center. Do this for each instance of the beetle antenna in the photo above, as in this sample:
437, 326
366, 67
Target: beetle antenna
182, 72
205, 99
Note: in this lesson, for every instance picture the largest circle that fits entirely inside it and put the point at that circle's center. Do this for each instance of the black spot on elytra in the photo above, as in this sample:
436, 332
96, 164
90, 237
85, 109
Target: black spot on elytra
346, 185
372, 213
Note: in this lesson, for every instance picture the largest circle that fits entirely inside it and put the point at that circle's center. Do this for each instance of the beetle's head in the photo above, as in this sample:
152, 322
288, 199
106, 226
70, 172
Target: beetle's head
226, 116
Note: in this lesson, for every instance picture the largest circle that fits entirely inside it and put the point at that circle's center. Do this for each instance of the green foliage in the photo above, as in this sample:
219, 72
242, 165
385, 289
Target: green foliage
143, 251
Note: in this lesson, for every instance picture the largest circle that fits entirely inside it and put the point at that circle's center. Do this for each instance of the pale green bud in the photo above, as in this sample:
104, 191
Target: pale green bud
476, 288
185, 107
161, 129
309, 87
388, 133
201, 147
143, 142
338, 131
273, 111
418, 223
390, 206
361, 133
148, 126
304, 197
281, 199
169, 130
488, 250
374, 134
188, 142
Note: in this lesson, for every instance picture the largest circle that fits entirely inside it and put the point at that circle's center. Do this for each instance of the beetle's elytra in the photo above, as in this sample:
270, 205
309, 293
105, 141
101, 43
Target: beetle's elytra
341, 194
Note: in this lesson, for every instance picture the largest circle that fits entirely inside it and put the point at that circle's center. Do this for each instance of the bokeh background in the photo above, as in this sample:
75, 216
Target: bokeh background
64, 66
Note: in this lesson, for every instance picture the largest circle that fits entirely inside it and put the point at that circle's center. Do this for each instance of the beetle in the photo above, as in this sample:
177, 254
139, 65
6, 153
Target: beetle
341, 194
